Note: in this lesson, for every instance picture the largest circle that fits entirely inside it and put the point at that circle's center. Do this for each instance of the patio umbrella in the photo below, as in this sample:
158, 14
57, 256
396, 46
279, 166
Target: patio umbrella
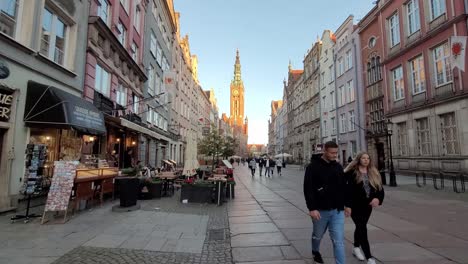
235, 157
283, 155
191, 161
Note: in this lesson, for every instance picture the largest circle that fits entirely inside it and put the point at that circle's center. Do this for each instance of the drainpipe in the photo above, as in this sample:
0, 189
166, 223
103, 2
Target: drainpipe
358, 97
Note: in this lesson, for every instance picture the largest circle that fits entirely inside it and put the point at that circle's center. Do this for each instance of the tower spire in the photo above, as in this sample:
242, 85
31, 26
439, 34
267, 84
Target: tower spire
237, 70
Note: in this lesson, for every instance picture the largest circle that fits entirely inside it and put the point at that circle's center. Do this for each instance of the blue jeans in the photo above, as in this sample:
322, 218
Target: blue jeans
334, 221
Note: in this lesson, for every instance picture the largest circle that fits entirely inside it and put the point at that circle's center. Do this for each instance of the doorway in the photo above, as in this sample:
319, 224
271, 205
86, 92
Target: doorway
380, 156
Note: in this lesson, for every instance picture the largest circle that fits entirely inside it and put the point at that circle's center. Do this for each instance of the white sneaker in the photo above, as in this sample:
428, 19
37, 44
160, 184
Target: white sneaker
371, 261
359, 255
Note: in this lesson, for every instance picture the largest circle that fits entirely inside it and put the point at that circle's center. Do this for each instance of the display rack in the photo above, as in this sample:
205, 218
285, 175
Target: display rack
34, 183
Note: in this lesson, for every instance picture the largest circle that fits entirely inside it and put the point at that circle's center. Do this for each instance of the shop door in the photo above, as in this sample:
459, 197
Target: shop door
380, 156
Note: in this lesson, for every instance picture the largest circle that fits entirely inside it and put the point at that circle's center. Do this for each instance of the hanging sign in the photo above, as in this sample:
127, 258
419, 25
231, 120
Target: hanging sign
6, 99
458, 47
4, 70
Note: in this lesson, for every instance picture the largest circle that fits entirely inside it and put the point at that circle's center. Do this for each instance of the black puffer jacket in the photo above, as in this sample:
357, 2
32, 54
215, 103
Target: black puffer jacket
358, 194
325, 186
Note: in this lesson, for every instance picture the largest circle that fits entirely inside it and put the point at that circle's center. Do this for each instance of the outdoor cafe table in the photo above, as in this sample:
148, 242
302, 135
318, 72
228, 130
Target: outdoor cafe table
219, 179
166, 177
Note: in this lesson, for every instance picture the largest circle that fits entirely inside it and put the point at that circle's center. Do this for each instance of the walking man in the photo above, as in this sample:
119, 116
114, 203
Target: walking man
279, 165
325, 192
260, 165
253, 166
272, 167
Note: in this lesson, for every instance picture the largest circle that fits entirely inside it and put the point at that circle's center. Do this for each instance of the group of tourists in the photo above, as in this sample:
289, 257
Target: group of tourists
333, 193
266, 163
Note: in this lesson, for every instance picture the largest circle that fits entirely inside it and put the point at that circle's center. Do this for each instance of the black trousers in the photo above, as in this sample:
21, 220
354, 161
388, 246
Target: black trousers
253, 171
360, 216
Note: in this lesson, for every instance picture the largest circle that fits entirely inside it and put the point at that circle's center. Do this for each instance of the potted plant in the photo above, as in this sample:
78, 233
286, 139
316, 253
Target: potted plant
128, 186
151, 188
197, 191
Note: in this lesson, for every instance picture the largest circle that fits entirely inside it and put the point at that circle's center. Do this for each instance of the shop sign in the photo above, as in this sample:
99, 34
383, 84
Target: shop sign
4, 70
6, 99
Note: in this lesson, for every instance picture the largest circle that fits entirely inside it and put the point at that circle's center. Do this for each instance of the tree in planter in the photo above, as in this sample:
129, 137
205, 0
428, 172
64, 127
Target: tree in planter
216, 146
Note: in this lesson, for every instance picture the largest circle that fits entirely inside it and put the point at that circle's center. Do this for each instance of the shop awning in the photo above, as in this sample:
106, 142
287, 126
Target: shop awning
124, 122
172, 161
168, 163
50, 106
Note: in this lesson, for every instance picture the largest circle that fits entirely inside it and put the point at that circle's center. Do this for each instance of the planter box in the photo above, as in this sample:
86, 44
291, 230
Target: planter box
129, 190
197, 193
154, 190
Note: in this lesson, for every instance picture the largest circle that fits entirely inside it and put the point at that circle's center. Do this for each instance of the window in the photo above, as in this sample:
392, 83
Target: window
149, 114
104, 11
340, 66
155, 118
102, 81
412, 7
165, 125
125, 4
322, 80
154, 9
343, 123
449, 134
437, 8
134, 52
121, 95
332, 99
350, 91
341, 96
151, 80
352, 121
153, 44
349, 60
372, 42
122, 33
137, 18
424, 138
398, 84
333, 121
394, 26
136, 104
165, 64
159, 55
443, 70
332, 73
8, 16
418, 77
53, 37
324, 103
402, 139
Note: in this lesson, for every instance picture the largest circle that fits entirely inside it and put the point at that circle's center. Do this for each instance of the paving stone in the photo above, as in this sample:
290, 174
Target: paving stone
249, 219
106, 241
289, 252
257, 254
253, 228
246, 213
262, 239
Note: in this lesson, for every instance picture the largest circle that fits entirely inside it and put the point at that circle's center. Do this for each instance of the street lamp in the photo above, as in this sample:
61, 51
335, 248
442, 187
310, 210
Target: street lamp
392, 169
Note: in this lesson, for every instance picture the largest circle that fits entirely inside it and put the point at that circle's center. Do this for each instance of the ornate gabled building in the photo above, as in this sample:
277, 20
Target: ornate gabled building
272, 144
237, 119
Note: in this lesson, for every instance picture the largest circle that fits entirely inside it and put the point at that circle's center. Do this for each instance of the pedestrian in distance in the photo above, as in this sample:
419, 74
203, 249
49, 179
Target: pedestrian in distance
279, 165
272, 166
260, 165
267, 166
366, 193
253, 166
326, 193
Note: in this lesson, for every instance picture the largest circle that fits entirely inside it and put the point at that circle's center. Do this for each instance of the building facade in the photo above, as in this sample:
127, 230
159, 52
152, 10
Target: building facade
312, 100
426, 96
294, 90
372, 45
275, 106
42, 46
348, 104
327, 88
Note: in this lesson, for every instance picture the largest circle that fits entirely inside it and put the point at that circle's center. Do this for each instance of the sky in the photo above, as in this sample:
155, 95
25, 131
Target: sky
268, 34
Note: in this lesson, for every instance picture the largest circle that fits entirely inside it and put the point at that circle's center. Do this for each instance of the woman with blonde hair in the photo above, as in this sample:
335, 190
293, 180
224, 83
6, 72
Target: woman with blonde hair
366, 192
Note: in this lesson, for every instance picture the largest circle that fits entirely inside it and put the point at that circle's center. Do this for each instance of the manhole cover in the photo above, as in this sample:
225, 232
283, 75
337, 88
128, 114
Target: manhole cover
216, 234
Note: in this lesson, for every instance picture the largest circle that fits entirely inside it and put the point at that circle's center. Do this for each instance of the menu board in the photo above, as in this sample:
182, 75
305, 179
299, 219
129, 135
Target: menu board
61, 187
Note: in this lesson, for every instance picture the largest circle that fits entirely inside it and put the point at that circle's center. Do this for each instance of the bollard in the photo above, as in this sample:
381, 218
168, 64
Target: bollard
462, 183
442, 181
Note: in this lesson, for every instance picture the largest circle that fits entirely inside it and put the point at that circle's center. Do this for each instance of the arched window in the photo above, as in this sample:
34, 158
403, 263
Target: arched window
369, 79
373, 70
378, 70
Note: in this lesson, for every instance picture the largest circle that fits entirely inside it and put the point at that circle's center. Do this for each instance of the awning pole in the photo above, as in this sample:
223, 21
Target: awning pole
42, 95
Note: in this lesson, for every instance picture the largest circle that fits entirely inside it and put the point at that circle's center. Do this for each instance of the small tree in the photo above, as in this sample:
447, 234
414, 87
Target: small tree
230, 146
216, 146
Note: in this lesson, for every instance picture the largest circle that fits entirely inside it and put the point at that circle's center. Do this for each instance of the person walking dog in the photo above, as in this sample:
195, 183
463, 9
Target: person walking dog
366, 193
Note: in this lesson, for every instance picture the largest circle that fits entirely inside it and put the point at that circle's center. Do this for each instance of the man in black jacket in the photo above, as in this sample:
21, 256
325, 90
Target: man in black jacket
325, 192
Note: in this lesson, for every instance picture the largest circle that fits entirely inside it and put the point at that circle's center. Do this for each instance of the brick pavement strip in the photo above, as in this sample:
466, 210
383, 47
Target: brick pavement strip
216, 248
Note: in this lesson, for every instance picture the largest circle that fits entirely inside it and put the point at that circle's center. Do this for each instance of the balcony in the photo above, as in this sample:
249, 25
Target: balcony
103, 103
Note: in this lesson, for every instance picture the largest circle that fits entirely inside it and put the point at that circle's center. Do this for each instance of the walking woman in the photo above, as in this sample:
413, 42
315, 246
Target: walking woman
366, 192
253, 166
